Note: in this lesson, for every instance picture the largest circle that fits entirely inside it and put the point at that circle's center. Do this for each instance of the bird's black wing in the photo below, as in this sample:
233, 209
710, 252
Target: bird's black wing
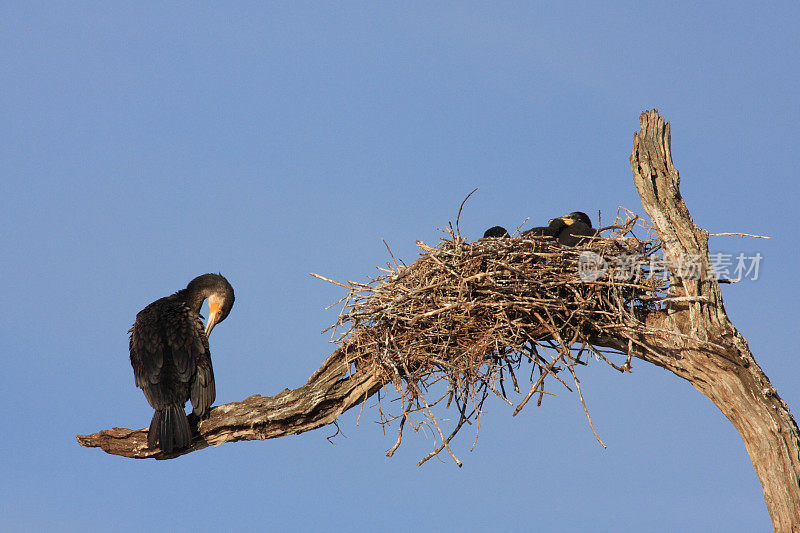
552, 230
147, 352
203, 391
573, 235
170, 356
542, 231
191, 356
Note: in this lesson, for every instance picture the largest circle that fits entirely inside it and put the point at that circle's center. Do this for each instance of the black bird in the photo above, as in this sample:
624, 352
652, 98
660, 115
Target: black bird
171, 359
552, 230
578, 225
495, 232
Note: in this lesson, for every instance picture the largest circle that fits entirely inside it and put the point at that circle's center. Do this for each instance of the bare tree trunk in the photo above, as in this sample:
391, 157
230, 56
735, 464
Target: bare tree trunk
708, 351
694, 339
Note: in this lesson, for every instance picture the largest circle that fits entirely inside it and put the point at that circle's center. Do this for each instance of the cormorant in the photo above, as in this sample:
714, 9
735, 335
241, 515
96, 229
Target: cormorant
171, 359
578, 225
552, 230
495, 232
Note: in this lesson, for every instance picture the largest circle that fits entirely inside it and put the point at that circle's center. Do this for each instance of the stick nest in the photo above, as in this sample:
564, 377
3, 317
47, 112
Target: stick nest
454, 327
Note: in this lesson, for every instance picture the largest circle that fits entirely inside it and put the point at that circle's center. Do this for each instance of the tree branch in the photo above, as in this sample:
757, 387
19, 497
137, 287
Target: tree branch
697, 341
690, 336
329, 392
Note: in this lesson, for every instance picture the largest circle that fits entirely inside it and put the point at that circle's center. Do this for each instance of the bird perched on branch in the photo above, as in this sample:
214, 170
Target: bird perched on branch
495, 232
171, 359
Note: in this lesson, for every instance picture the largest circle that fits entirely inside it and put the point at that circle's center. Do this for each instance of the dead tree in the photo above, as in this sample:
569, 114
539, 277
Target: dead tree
467, 315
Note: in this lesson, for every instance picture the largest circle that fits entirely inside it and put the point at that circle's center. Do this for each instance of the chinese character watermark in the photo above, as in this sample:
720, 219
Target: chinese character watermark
755, 263
635, 267
591, 266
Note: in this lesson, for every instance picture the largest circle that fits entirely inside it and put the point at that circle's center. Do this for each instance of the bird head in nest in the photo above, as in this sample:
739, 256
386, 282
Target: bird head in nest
572, 218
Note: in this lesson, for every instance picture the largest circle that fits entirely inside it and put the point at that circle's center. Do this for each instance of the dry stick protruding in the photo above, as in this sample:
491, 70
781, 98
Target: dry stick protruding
739, 235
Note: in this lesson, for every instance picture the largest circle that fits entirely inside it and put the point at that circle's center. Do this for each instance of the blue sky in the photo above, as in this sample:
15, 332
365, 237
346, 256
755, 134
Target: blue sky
143, 145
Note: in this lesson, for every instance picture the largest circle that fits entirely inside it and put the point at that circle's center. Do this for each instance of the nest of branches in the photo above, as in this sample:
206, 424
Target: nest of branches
456, 326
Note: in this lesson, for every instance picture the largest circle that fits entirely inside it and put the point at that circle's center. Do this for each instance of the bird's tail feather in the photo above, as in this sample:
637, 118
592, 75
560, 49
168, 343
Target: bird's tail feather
169, 429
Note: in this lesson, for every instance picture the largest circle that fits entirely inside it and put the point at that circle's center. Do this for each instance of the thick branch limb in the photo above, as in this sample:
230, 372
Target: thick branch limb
697, 341
330, 391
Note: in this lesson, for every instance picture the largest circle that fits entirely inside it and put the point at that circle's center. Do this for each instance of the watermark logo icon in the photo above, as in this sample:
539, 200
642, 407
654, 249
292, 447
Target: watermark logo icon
591, 266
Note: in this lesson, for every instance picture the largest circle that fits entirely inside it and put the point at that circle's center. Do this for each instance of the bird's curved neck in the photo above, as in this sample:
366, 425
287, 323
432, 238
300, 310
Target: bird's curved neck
194, 299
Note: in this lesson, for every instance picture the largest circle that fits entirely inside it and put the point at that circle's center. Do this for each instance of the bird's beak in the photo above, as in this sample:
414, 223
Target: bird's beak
568, 221
213, 315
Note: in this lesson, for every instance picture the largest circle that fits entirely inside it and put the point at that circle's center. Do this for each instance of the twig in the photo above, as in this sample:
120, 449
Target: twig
585, 410
739, 235
458, 217
399, 438
444, 444
323, 278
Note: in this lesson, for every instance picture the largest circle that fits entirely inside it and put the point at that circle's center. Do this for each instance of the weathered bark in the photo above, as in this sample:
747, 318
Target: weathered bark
329, 392
693, 339
697, 341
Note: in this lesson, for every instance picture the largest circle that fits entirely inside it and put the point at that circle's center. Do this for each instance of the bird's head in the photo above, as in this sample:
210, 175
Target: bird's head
495, 232
572, 218
220, 297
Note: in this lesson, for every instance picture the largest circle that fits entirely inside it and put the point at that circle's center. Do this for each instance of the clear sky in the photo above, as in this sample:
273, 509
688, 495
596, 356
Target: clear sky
142, 145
